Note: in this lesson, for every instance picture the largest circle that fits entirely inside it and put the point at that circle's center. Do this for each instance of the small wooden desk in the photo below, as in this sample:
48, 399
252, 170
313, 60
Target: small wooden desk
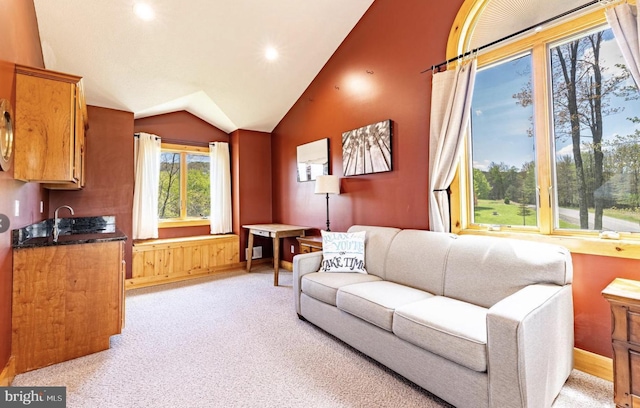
275, 231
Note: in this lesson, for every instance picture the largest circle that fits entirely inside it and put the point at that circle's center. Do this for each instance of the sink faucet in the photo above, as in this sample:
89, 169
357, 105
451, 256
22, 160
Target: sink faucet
56, 220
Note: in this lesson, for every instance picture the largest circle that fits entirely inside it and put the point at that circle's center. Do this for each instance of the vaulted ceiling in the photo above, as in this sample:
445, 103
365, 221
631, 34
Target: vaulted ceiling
203, 56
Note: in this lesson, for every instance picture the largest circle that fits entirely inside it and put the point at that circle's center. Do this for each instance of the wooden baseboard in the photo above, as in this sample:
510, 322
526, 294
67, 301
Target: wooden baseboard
8, 373
286, 265
593, 364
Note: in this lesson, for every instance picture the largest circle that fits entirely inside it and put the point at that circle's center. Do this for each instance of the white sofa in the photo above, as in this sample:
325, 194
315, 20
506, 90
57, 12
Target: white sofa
477, 321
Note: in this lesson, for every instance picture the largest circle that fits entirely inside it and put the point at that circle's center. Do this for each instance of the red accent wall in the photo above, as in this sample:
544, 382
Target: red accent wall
395, 41
178, 127
20, 44
592, 314
109, 173
373, 76
251, 189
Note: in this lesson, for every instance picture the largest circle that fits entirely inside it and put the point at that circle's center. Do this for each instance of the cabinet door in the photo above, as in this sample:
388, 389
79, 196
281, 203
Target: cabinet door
79, 146
45, 121
78, 168
38, 313
51, 118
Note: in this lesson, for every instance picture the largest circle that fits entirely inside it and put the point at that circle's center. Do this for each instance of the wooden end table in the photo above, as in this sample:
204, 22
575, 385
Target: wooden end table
309, 244
624, 298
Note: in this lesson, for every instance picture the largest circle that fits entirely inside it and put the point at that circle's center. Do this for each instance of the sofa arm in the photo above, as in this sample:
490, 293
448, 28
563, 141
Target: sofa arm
530, 346
302, 265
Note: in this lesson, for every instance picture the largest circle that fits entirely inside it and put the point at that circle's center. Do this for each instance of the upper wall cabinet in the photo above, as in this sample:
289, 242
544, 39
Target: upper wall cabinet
49, 132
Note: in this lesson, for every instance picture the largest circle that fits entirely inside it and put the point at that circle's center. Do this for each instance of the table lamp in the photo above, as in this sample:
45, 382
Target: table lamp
328, 184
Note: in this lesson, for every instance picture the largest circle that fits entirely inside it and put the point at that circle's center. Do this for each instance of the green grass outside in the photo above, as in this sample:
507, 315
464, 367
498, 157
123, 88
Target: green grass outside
627, 215
567, 225
497, 212
508, 214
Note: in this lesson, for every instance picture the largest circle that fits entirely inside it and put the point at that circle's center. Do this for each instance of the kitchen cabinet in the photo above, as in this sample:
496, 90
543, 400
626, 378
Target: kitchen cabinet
68, 300
49, 129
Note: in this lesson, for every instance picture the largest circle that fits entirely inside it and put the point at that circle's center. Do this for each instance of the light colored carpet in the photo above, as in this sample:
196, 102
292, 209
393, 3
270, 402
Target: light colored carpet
234, 340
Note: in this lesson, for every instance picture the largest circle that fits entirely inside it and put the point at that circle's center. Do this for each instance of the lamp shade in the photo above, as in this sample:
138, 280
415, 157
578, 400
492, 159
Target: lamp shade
327, 185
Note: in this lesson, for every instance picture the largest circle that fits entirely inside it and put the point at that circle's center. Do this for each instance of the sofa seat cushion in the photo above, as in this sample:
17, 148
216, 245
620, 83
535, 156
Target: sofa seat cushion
451, 328
324, 286
375, 302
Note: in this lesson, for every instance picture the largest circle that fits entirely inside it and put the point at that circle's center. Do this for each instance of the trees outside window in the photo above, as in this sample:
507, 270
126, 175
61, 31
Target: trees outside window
595, 104
555, 137
503, 149
184, 193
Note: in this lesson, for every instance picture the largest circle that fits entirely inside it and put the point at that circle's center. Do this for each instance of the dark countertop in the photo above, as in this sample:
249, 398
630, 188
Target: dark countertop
81, 230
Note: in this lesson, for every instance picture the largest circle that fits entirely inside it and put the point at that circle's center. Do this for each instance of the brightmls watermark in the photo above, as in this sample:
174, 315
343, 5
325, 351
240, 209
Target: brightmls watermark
33, 397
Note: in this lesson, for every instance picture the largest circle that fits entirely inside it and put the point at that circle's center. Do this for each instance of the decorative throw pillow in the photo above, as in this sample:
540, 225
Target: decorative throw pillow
343, 252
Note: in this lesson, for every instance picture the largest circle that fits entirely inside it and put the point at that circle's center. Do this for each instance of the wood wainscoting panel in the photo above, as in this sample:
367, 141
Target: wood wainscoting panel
169, 260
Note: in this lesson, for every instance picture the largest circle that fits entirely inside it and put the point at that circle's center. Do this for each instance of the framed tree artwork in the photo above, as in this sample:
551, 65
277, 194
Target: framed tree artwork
367, 149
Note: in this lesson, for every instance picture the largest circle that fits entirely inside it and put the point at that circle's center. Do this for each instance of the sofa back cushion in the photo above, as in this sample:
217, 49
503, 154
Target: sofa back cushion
376, 247
417, 258
484, 270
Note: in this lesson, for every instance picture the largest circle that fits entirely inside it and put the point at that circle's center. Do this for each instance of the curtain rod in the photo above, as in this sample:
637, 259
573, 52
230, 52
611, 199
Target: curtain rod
510, 36
138, 135
186, 142
180, 142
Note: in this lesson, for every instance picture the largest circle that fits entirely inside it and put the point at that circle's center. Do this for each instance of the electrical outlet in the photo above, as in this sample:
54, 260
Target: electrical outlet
292, 249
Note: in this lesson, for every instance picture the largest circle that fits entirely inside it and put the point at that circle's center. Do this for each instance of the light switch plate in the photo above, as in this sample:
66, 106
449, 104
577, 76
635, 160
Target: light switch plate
16, 208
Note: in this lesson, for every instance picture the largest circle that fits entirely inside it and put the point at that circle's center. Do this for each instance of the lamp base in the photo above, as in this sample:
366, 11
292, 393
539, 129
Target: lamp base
328, 229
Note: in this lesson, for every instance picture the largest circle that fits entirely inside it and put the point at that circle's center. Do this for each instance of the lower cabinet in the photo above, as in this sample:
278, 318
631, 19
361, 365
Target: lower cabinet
68, 300
624, 297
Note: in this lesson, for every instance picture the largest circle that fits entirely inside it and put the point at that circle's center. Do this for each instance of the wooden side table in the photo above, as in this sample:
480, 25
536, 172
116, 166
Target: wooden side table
310, 244
624, 297
275, 231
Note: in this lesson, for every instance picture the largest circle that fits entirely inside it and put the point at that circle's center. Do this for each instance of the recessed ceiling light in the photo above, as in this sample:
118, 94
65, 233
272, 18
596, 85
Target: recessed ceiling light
271, 54
144, 11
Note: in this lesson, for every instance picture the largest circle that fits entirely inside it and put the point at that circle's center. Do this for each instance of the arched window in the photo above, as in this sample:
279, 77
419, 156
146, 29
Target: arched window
553, 149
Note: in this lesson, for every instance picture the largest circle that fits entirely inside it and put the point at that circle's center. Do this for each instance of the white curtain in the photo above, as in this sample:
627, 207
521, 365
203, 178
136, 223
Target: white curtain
147, 180
450, 107
220, 171
623, 20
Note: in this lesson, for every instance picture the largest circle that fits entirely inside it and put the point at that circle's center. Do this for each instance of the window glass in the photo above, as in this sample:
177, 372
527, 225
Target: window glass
169, 191
198, 197
596, 133
502, 145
